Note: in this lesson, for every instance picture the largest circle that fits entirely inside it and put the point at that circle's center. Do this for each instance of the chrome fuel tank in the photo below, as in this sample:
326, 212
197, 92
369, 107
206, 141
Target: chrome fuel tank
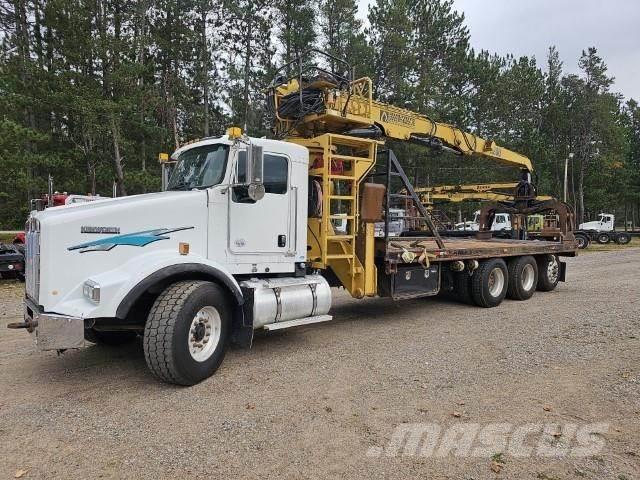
273, 300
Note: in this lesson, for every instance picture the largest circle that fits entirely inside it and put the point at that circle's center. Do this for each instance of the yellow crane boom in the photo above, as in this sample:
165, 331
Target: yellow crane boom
330, 106
494, 192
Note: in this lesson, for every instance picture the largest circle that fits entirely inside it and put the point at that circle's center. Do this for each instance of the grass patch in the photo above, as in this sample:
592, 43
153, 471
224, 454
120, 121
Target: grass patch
611, 246
498, 457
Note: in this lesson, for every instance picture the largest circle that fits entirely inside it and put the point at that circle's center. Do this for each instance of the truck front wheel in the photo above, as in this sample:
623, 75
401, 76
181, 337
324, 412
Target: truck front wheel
489, 283
187, 332
523, 278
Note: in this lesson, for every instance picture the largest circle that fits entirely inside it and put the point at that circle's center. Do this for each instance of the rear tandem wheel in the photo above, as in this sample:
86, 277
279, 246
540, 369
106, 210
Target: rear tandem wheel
489, 283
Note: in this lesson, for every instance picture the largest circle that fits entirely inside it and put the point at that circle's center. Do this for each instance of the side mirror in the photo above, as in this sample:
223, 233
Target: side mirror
255, 168
249, 173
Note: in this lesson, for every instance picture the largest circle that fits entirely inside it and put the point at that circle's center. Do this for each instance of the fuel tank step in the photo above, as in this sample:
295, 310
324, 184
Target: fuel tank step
298, 322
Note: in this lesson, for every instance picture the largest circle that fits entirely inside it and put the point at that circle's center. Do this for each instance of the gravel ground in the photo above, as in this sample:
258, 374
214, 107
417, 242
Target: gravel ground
322, 401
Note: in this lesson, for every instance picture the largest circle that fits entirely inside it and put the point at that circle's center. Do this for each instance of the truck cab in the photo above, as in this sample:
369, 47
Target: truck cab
605, 223
224, 247
501, 221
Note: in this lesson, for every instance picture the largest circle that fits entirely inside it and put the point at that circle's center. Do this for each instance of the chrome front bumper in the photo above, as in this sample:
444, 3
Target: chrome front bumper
52, 331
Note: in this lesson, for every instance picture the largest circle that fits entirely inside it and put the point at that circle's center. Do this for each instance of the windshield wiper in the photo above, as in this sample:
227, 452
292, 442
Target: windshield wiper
180, 186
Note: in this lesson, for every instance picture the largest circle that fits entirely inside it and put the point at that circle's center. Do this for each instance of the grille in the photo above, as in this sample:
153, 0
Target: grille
32, 259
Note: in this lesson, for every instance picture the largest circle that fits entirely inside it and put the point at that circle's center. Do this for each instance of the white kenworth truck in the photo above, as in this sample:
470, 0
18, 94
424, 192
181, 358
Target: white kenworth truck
224, 252
251, 234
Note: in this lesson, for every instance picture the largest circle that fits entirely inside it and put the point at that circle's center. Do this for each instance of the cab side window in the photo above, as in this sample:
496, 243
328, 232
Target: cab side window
276, 176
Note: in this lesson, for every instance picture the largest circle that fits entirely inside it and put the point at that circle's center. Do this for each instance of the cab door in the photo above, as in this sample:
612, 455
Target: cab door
262, 228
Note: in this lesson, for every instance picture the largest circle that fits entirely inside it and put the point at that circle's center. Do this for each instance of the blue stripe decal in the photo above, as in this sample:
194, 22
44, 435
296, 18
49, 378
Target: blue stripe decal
137, 239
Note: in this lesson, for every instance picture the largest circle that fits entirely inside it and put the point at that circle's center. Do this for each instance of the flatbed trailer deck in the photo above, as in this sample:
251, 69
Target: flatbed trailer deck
471, 248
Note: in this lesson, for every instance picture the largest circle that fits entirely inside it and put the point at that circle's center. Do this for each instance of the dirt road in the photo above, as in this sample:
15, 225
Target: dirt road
327, 401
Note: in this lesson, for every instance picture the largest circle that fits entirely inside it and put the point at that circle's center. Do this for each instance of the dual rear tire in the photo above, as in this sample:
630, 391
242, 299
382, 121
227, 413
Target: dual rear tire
603, 238
489, 283
623, 238
582, 240
548, 272
523, 278
496, 279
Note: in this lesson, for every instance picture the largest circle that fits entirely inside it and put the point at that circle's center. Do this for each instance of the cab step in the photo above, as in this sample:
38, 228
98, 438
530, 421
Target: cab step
298, 322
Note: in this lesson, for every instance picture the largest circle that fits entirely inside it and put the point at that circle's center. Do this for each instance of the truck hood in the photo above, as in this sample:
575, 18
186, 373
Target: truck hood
81, 240
589, 226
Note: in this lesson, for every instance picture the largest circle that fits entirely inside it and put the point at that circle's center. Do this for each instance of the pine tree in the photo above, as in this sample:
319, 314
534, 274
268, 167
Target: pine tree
439, 43
390, 37
594, 133
344, 38
251, 62
296, 32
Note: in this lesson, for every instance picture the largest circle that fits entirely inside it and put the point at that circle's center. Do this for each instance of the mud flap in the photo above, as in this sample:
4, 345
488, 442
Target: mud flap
562, 271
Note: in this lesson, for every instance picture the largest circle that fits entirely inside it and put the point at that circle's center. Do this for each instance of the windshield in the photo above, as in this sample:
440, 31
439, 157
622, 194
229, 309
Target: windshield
199, 167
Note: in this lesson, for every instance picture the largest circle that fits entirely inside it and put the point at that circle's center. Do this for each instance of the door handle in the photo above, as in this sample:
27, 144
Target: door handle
282, 240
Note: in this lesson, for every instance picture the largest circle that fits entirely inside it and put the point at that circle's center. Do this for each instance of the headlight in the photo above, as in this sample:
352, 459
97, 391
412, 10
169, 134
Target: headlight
91, 290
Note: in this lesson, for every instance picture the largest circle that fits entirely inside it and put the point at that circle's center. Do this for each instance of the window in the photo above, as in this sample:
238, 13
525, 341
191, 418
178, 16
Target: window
276, 175
276, 172
199, 167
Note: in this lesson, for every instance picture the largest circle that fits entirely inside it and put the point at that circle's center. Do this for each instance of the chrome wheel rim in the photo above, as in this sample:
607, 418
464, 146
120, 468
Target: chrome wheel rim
528, 277
552, 270
204, 333
496, 282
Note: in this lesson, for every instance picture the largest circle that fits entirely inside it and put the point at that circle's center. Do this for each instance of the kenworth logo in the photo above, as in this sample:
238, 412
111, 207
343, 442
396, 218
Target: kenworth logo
89, 229
399, 118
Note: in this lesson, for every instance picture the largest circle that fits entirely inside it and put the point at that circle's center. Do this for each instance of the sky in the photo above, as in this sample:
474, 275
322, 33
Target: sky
529, 27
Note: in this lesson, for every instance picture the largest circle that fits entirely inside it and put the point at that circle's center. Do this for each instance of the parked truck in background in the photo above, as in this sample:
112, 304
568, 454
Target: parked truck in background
602, 231
501, 221
245, 237
52, 199
11, 261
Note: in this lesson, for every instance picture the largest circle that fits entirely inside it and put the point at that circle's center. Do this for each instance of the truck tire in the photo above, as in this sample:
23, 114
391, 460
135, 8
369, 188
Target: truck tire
523, 278
109, 338
582, 240
623, 238
489, 283
462, 287
548, 272
187, 332
603, 238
